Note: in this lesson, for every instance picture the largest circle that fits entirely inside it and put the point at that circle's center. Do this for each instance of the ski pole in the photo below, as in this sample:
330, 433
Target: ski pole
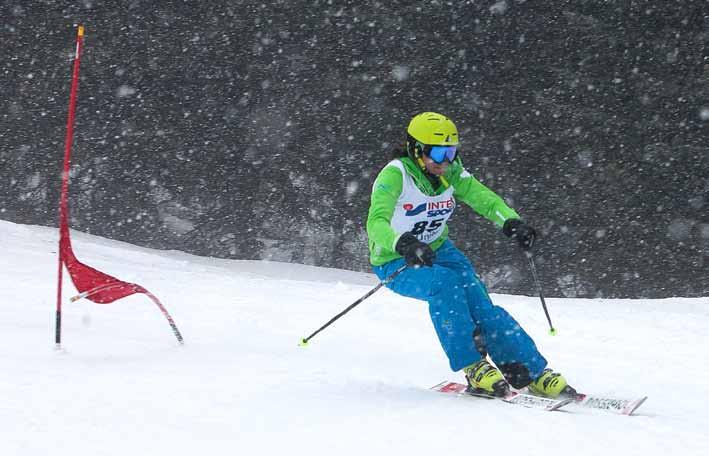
304, 341
552, 331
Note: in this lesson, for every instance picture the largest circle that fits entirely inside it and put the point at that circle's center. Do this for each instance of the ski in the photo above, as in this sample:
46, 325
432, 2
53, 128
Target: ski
513, 397
588, 401
618, 406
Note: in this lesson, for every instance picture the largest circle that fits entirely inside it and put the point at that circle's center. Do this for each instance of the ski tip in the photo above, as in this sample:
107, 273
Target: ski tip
635, 405
303, 342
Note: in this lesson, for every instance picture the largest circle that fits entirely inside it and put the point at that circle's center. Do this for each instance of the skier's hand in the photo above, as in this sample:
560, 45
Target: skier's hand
524, 234
415, 252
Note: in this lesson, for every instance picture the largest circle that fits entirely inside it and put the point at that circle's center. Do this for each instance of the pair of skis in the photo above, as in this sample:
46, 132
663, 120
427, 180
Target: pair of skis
589, 401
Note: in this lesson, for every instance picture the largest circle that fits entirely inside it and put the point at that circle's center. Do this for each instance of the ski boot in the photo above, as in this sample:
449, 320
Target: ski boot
484, 378
551, 384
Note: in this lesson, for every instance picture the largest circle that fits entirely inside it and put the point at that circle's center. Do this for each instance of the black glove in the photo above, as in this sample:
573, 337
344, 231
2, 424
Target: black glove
415, 252
523, 233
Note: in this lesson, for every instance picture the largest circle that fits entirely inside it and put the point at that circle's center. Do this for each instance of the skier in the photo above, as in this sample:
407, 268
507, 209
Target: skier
412, 198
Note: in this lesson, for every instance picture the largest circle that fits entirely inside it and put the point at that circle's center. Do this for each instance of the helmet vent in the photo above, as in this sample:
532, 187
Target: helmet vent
432, 128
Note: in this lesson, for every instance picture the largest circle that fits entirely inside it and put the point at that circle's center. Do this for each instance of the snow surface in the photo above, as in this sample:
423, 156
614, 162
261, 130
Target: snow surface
122, 385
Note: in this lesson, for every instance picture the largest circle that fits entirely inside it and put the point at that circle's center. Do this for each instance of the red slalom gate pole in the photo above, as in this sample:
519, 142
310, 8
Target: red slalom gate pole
63, 199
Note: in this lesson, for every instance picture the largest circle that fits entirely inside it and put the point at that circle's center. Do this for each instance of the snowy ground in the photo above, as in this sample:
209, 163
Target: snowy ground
241, 384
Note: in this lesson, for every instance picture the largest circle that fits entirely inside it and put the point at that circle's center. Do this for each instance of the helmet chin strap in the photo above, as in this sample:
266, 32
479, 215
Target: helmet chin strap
418, 159
431, 177
421, 164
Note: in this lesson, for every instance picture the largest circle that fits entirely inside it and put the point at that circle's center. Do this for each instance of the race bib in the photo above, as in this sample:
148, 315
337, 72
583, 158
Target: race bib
422, 215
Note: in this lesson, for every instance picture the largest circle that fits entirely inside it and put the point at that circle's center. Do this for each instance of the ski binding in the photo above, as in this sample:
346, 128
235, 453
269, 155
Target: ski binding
513, 397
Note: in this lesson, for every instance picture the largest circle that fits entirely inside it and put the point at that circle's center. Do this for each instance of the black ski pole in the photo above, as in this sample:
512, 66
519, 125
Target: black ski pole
552, 331
304, 340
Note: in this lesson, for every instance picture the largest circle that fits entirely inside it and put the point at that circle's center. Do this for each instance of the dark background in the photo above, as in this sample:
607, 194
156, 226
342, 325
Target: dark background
253, 130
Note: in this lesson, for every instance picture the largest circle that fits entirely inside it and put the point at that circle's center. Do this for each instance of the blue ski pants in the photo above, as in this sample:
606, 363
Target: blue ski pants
467, 323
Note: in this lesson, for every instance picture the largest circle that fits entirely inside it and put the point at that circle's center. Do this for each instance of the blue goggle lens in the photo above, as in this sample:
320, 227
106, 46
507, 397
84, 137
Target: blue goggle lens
439, 154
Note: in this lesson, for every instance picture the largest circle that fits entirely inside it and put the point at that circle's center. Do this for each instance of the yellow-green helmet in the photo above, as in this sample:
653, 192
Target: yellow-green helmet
429, 129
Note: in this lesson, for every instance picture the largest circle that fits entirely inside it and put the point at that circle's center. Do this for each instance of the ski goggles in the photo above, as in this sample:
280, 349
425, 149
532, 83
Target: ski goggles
439, 154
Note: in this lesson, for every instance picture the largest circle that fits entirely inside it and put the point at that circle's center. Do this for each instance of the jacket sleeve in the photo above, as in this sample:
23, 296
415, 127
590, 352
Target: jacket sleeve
480, 198
385, 193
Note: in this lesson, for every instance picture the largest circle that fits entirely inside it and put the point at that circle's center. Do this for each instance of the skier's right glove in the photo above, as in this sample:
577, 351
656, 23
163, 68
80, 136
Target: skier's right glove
415, 252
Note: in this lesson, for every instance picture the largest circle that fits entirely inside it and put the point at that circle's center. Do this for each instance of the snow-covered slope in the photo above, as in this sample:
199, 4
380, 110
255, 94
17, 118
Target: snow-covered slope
241, 385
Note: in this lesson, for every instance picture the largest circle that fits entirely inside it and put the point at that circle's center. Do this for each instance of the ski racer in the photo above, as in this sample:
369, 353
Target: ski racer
412, 199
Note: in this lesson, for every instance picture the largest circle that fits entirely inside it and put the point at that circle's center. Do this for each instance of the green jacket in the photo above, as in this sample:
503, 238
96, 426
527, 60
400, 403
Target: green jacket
388, 187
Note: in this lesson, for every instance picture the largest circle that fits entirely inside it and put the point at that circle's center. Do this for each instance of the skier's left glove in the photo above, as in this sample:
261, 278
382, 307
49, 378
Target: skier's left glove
524, 234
